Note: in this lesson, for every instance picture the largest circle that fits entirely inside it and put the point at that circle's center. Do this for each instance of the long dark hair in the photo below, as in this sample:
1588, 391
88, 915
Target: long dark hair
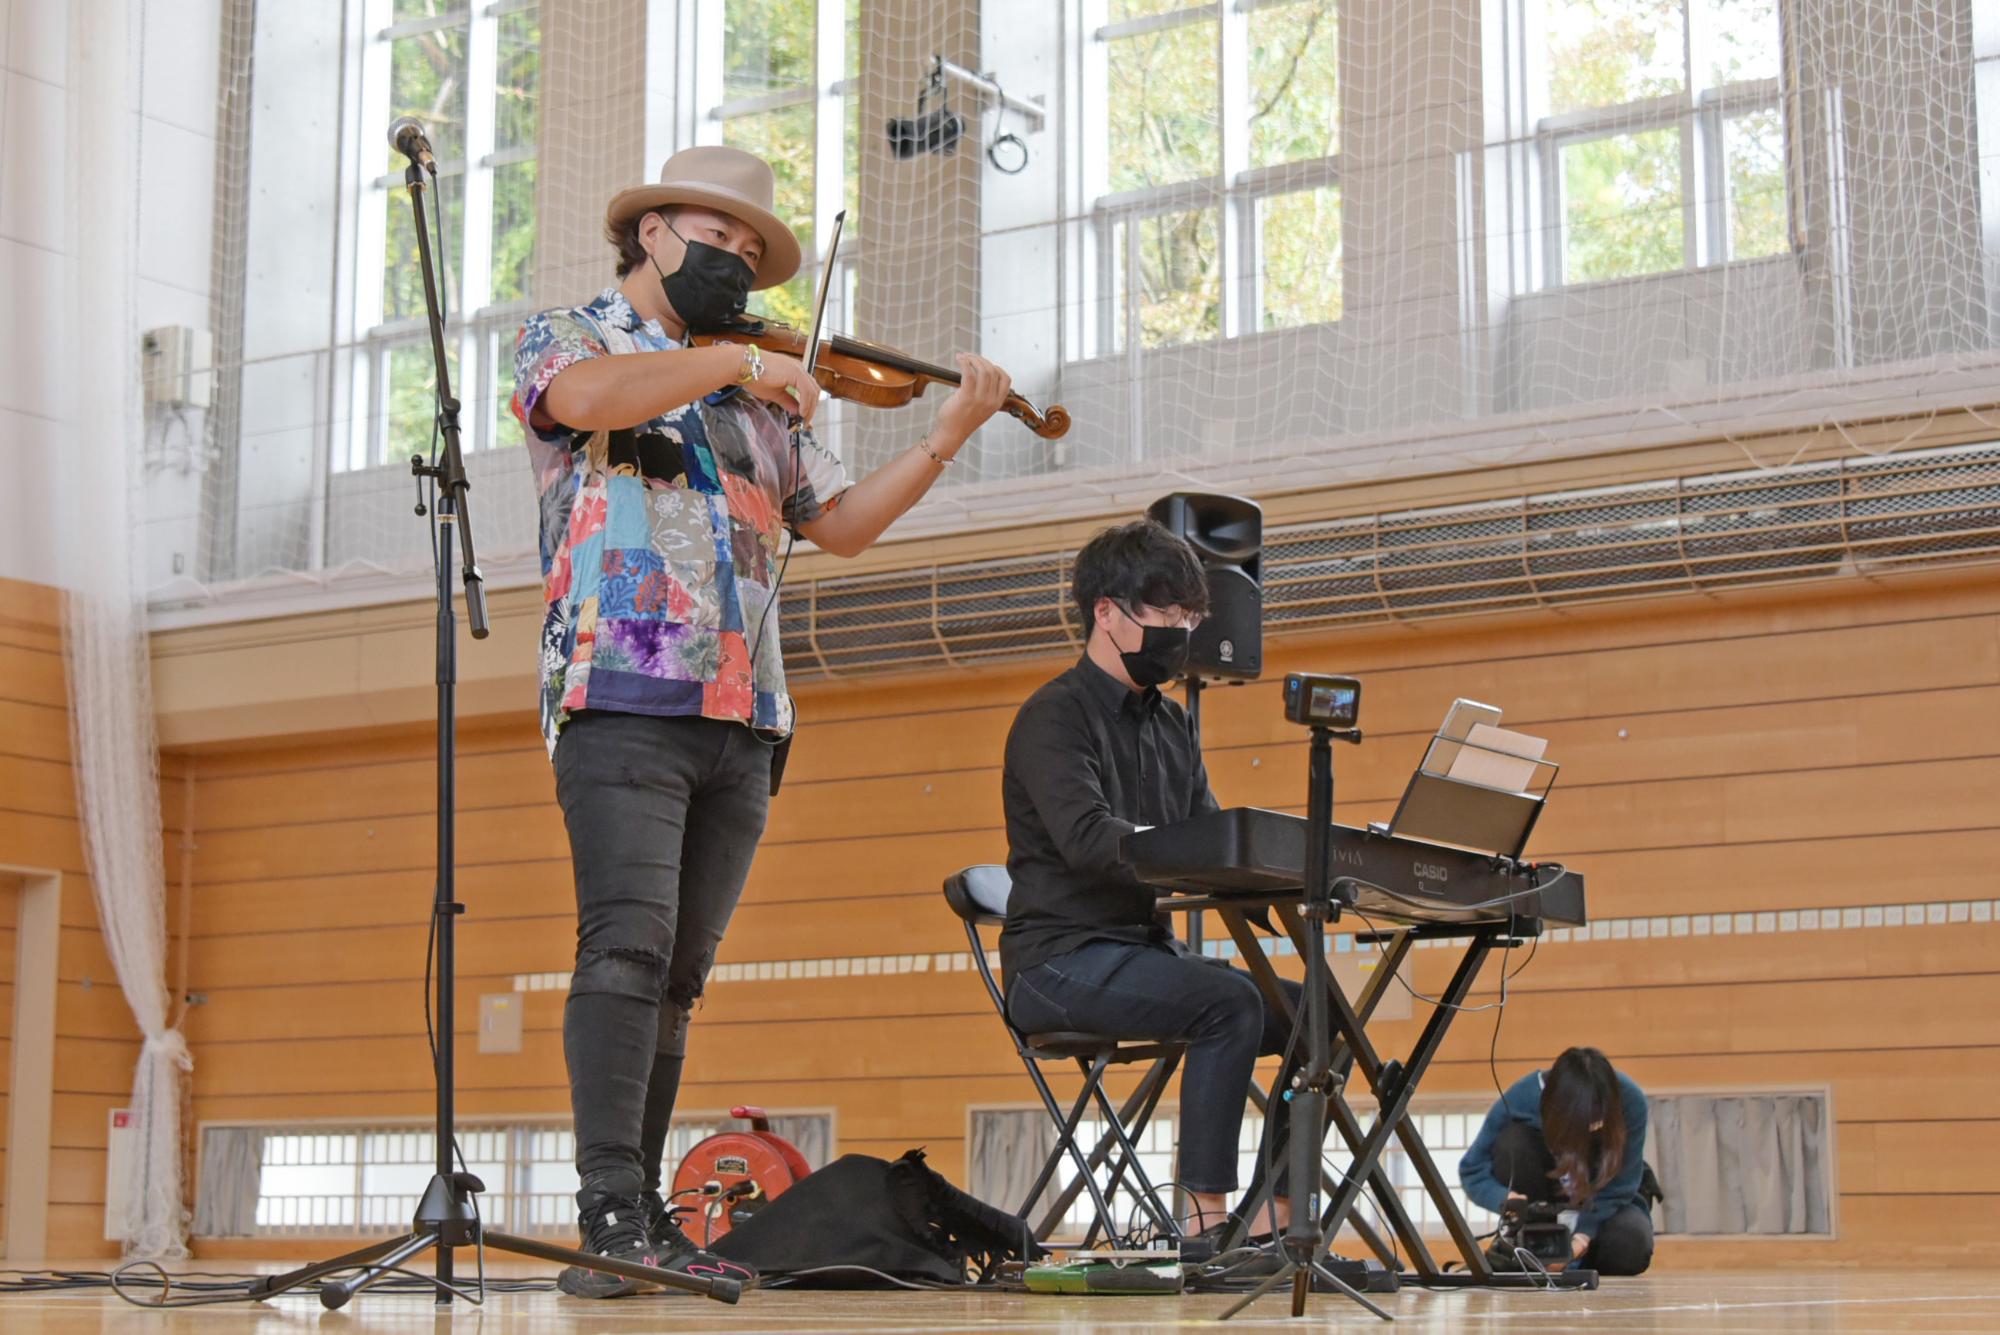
1583, 1121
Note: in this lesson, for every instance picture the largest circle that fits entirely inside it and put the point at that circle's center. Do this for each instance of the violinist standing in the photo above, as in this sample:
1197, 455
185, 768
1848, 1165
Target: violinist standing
666, 472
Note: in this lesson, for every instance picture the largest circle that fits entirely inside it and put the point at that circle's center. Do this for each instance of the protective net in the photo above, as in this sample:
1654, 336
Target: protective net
1252, 244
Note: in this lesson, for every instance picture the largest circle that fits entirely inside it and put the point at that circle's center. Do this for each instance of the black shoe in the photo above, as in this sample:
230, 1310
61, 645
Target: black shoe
1202, 1247
1270, 1258
1253, 1258
678, 1252
653, 1210
614, 1226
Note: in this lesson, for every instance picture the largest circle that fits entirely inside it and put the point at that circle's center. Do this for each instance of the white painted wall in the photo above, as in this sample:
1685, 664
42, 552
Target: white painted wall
174, 198
32, 112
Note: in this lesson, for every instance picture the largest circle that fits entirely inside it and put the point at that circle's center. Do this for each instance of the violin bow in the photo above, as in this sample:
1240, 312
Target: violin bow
825, 290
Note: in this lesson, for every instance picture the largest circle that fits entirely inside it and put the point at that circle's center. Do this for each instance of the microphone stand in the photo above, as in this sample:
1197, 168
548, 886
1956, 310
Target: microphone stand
1324, 899
447, 1215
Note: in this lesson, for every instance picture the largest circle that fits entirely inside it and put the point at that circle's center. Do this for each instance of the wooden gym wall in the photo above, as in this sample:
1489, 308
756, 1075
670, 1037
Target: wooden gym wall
97, 1042
1824, 748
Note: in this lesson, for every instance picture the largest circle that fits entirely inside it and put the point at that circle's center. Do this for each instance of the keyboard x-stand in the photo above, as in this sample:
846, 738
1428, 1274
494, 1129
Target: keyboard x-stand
1243, 862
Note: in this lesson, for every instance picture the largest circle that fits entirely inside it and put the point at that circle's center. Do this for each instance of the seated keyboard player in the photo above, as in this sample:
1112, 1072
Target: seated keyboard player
1093, 755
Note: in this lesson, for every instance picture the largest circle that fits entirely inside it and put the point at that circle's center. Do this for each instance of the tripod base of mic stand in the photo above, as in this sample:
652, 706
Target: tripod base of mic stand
446, 1218
1301, 1273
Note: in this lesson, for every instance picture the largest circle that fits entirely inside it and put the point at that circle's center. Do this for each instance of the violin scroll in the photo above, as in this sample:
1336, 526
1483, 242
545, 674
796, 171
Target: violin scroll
1051, 423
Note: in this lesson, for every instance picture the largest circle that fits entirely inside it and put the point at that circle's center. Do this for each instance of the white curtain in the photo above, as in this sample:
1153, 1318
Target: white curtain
1742, 1164
111, 706
232, 1180
1009, 1146
811, 1133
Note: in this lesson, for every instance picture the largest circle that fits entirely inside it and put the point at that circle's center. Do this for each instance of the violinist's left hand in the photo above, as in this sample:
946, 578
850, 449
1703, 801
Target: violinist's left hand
982, 388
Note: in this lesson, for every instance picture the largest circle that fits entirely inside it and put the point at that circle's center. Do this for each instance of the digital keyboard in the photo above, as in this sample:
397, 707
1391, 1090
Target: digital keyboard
1250, 851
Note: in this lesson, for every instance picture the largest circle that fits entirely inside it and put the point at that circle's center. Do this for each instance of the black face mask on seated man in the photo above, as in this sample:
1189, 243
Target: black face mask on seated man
710, 288
1161, 655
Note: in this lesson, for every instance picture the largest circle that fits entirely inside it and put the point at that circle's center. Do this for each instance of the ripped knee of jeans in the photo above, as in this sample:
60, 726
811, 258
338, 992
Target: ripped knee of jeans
677, 1008
619, 971
674, 1019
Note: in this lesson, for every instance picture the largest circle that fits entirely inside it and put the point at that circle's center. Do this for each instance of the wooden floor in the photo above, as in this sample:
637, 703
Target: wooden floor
1849, 1302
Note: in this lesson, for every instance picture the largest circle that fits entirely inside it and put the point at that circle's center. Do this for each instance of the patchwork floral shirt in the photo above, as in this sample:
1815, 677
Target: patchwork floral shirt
660, 545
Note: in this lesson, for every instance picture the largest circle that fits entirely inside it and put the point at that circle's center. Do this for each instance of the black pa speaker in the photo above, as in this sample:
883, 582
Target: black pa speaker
1227, 533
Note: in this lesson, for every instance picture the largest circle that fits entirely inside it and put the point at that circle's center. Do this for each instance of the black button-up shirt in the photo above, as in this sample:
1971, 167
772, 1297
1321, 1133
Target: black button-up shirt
1088, 762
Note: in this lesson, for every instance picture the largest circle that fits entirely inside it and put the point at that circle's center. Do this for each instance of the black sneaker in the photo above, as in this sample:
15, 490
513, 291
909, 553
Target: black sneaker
678, 1252
1252, 1258
653, 1210
615, 1227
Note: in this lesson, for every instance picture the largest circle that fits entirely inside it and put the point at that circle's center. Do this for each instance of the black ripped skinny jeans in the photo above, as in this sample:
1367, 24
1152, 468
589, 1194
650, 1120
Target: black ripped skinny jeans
664, 815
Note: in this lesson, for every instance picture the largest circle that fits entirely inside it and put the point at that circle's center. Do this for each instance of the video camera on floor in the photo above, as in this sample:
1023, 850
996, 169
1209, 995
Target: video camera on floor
1535, 1227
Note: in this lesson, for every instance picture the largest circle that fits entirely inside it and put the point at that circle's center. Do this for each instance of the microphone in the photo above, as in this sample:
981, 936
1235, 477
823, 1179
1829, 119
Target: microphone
407, 137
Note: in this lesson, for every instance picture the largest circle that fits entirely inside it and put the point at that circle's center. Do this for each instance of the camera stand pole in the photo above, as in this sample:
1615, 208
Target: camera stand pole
447, 1216
1304, 1241
1194, 686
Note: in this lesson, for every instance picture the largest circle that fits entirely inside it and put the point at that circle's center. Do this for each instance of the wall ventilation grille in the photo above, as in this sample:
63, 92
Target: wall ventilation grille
1848, 517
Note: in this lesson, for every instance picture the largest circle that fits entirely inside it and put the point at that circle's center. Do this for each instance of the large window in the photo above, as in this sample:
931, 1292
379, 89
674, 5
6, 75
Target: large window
471, 73
1446, 1125
788, 91
1211, 134
1660, 134
782, 79
280, 1181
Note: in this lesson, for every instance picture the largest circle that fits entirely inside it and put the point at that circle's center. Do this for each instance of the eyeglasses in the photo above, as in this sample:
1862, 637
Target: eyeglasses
1188, 621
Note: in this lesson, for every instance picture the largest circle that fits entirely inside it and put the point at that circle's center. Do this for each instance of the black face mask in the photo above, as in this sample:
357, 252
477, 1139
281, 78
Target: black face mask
1161, 655
710, 289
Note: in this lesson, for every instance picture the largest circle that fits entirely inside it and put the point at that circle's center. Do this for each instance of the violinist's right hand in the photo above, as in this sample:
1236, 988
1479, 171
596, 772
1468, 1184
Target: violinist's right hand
787, 383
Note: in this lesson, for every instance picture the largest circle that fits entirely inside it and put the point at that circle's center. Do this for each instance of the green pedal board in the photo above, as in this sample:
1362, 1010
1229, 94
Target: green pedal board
1109, 1273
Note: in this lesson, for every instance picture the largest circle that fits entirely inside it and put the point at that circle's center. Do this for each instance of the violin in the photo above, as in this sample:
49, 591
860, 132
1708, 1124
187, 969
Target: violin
871, 374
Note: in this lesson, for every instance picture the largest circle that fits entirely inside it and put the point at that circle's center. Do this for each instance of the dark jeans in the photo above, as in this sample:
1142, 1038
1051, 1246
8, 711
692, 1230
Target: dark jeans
1150, 992
1624, 1243
664, 815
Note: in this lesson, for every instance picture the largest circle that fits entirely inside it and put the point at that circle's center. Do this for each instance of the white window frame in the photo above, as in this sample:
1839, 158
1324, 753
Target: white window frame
475, 323
1234, 191
1698, 114
1159, 1147
828, 93
1986, 114
524, 1146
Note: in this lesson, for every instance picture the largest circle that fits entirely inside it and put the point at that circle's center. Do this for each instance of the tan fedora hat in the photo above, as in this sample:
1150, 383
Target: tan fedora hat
727, 180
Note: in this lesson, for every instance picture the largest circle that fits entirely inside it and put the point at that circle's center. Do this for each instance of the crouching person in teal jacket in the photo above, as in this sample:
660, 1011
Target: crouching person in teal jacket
1574, 1136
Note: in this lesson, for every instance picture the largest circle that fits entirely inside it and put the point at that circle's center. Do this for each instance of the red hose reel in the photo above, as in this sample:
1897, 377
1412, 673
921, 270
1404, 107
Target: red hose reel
731, 1175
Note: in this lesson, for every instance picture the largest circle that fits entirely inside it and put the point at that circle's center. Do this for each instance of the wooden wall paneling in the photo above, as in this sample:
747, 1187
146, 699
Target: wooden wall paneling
783, 921
96, 1040
10, 892
877, 841
1776, 752
956, 1036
